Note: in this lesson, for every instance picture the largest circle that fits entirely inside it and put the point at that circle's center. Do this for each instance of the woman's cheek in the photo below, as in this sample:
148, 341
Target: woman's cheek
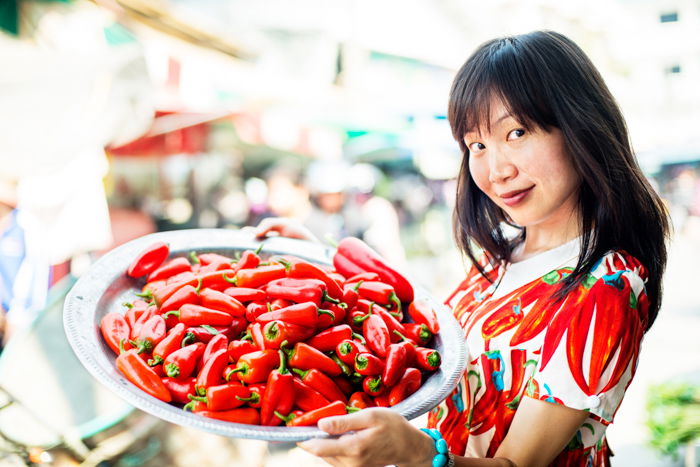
480, 174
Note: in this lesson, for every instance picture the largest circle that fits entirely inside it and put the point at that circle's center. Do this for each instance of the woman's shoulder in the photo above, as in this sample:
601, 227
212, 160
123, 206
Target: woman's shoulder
617, 264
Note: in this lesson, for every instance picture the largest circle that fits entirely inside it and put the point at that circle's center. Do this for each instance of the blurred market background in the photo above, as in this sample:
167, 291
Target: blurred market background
123, 117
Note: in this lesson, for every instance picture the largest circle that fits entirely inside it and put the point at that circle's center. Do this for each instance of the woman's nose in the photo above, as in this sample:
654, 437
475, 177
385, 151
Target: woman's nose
500, 168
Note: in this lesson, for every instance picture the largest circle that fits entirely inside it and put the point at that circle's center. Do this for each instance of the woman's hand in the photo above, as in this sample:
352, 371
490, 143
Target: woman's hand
380, 437
284, 227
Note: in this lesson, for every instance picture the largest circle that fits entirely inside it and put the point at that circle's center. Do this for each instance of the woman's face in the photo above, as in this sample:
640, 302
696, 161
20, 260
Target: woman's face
528, 174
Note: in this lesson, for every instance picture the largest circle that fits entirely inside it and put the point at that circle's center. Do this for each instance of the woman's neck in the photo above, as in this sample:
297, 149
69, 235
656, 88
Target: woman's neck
544, 237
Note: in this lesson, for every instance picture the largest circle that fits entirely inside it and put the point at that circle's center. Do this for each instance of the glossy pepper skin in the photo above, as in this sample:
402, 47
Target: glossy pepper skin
311, 418
150, 334
302, 314
220, 301
224, 396
396, 363
170, 268
115, 330
418, 333
322, 383
407, 385
300, 269
197, 315
305, 357
422, 313
307, 398
360, 400
373, 385
246, 415
367, 364
279, 394
170, 343
255, 367
179, 388
186, 294
261, 275
377, 334
218, 342
240, 347
354, 256
297, 290
182, 362
277, 332
212, 373
148, 260
132, 366
379, 292
348, 349
428, 359
328, 340
246, 295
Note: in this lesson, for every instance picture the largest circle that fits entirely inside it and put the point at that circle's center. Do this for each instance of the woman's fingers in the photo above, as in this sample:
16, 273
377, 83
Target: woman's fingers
352, 422
284, 227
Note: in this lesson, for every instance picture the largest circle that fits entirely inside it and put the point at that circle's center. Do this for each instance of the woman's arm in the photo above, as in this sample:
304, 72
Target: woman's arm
539, 432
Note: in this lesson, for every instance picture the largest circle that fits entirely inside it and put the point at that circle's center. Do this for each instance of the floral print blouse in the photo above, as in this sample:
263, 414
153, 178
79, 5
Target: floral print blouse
580, 351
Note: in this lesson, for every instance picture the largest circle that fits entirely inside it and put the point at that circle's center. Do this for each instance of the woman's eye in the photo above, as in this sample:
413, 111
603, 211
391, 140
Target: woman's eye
476, 147
515, 134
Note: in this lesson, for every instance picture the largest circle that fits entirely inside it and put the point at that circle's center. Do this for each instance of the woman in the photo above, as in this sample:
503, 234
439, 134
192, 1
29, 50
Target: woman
554, 315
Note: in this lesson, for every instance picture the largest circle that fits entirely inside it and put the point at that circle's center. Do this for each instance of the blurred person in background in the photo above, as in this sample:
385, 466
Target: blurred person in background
24, 269
553, 316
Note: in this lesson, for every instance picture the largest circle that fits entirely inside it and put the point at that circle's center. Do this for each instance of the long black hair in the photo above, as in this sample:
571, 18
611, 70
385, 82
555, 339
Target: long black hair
546, 81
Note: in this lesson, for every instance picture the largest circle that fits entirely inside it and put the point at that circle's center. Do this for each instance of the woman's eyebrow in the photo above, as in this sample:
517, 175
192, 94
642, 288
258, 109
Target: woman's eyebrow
493, 124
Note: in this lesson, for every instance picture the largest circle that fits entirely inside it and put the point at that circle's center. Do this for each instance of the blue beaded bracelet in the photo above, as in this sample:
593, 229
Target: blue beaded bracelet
443, 457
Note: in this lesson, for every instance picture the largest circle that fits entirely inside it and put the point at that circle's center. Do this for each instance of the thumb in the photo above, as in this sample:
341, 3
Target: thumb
344, 423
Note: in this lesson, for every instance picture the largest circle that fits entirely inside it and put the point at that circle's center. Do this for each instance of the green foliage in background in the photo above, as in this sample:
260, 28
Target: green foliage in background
673, 416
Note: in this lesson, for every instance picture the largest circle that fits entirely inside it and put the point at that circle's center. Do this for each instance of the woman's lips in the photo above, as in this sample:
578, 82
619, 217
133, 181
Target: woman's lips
514, 197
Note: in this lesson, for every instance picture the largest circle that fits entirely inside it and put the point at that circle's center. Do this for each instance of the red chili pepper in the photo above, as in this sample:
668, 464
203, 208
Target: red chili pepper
396, 329
297, 290
407, 385
258, 276
336, 316
367, 364
502, 320
197, 315
255, 309
277, 332
320, 382
257, 392
305, 357
348, 349
216, 280
299, 269
220, 301
238, 348
363, 276
183, 277
373, 385
224, 396
354, 257
256, 333
255, 367
148, 260
360, 400
132, 366
377, 334
382, 400
145, 316
379, 292
212, 373
179, 388
350, 296
206, 259
170, 343
328, 340
312, 418
247, 415
134, 311
307, 398
279, 395
246, 295
302, 314
182, 362
428, 359
491, 363
218, 342
422, 313
151, 333
344, 384
249, 259
396, 363
185, 295
200, 334
169, 269
418, 333
115, 331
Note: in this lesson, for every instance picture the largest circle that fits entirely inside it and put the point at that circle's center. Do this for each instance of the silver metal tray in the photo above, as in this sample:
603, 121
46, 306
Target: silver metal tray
105, 286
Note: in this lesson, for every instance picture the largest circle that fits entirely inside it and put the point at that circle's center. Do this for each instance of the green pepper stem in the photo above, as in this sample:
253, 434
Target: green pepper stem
194, 258
327, 298
156, 360
189, 337
396, 301
284, 418
172, 313
301, 373
198, 398
259, 248
199, 285
229, 280
359, 337
321, 311
147, 295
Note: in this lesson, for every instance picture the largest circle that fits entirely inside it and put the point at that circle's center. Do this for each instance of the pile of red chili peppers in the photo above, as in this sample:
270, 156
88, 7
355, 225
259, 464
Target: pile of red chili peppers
273, 341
